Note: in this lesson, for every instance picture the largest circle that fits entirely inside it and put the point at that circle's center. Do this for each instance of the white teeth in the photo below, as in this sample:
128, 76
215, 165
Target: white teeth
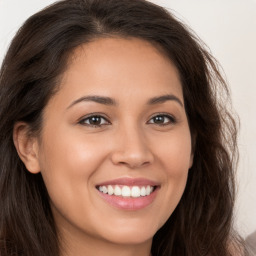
143, 191
147, 190
104, 190
135, 192
117, 191
110, 190
126, 191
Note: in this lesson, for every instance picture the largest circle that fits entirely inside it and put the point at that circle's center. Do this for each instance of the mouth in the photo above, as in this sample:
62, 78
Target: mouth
128, 193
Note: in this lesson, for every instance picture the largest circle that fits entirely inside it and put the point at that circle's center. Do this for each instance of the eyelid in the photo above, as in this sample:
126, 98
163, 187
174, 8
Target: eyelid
172, 119
81, 121
97, 114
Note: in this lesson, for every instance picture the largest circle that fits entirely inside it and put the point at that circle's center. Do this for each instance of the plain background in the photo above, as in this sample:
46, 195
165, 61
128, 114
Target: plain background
228, 27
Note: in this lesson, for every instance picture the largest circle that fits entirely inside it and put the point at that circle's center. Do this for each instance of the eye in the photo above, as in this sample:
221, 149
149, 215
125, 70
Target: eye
162, 119
94, 121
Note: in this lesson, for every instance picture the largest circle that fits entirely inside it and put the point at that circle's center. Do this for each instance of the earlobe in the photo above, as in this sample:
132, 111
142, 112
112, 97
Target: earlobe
26, 146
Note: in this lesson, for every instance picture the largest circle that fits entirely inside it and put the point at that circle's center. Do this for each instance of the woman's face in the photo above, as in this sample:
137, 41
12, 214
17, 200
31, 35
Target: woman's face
115, 147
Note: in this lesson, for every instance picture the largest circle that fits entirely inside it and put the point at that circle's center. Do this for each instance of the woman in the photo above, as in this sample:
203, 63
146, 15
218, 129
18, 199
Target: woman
114, 140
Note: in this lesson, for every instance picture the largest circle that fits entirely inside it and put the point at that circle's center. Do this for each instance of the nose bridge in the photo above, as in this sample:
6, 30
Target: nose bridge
132, 147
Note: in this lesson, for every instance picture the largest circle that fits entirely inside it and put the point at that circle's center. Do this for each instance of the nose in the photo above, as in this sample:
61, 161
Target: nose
132, 149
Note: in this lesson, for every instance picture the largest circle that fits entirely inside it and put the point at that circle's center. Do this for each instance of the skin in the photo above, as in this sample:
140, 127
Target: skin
74, 156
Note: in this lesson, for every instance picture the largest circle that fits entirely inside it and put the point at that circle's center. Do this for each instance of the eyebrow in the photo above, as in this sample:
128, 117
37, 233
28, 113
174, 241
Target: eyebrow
111, 102
163, 99
94, 98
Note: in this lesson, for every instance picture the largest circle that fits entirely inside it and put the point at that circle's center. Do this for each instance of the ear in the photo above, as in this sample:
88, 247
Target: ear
26, 146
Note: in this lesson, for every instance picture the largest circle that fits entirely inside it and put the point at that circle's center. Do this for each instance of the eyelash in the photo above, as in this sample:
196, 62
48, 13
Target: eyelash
90, 117
171, 121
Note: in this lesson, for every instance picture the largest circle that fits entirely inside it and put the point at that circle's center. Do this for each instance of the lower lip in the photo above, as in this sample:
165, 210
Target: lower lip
129, 203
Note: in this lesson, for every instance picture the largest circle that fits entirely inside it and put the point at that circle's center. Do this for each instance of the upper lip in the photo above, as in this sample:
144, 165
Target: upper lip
130, 182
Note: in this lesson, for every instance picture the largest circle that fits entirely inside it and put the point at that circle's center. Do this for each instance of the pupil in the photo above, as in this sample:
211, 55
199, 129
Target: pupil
159, 119
95, 120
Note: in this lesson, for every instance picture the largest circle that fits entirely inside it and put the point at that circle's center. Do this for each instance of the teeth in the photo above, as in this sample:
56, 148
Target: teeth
143, 191
147, 190
135, 191
110, 190
117, 191
126, 191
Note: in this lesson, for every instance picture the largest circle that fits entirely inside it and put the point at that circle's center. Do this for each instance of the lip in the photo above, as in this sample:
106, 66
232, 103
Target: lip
129, 182
129, 203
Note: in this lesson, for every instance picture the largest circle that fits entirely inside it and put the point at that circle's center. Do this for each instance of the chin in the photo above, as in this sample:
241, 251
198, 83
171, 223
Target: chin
130, 233
130, 238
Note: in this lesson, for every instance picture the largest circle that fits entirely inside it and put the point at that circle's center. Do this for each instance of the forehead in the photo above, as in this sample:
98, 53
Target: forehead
120, 68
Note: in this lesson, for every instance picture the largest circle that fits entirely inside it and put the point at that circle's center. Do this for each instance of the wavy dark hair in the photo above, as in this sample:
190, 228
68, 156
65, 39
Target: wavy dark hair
37, 57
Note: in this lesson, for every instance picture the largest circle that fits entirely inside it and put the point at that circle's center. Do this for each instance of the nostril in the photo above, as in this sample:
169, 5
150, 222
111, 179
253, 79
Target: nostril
133, 156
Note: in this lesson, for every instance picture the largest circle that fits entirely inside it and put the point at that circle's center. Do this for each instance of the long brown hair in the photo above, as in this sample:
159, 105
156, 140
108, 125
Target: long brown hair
38, 55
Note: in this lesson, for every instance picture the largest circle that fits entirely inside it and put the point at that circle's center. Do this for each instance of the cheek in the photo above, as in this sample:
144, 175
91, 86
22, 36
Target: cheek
68, 150
66, 161
175, 158
178, 163
175, 153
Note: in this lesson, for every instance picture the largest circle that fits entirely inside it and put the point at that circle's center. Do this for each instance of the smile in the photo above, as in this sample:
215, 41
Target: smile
126, 191
129, 193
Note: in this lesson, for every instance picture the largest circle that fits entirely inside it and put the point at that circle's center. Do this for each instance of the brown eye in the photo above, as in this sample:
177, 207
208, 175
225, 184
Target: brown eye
95, 121
162, 120
159, 119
